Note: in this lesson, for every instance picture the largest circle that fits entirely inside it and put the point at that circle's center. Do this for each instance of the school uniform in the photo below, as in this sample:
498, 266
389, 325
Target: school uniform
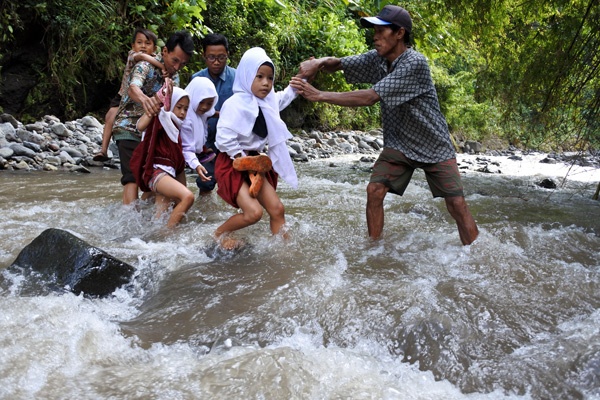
249, 125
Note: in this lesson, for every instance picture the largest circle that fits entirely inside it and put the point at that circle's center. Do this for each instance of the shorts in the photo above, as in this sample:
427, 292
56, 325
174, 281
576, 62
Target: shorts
207, 186
126, 148
394, 170
115, 101
157, 175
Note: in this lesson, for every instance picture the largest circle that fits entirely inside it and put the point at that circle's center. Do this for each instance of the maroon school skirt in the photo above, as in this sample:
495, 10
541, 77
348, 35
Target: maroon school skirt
229, 181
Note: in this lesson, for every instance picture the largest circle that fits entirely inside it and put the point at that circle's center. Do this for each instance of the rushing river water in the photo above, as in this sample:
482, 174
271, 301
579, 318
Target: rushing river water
328, 314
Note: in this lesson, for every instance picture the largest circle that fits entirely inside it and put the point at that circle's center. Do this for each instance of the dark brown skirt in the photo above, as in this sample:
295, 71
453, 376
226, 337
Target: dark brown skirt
229, 181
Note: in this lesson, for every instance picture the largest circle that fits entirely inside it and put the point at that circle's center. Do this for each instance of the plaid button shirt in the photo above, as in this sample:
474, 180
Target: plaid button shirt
411, 117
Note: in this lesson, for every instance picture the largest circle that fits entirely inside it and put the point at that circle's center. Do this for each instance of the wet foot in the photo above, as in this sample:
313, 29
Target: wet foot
229, 243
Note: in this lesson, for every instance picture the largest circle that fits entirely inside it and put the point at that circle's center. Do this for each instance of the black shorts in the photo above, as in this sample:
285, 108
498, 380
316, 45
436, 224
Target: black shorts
126, 148
115, 101
394, 170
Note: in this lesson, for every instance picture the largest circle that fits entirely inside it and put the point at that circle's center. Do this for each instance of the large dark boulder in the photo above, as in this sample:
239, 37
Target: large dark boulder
67, 261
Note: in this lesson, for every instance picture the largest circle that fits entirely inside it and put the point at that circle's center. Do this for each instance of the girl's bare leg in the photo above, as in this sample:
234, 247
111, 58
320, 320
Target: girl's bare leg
161, 204
269, 199
109, 120
172, 188
251, 213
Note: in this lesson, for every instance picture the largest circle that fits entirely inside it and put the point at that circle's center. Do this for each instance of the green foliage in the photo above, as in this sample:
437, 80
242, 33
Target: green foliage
290, 32
9, 22
466, 116
526, 71
87, 41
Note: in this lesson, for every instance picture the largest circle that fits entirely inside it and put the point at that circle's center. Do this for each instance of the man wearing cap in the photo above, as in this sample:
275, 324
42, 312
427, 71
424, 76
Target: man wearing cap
415, 132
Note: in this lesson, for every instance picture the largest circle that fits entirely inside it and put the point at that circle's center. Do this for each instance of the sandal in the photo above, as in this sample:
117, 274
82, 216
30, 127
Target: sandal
101, 157
164, 94
206, 157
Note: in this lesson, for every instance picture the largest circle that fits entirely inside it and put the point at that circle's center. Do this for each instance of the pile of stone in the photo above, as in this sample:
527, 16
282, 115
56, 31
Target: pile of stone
317, 145
51, 145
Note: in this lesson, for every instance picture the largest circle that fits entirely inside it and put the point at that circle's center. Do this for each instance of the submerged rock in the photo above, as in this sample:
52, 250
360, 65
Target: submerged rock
547, 184
65, 260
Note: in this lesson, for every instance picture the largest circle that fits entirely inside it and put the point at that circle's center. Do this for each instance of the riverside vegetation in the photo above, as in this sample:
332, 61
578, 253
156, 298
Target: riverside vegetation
527, 72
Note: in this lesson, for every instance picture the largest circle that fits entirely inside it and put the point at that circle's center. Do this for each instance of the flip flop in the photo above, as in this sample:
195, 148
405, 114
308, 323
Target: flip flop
164, 95
101, 157
206, 157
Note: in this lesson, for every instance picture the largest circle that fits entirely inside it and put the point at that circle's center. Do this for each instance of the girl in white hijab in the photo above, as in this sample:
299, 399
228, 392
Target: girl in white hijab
248, 121
157, 162
194, 130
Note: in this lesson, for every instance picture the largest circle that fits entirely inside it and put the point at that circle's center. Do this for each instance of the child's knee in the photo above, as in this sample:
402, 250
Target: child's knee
253, 215
188, 198
277, 211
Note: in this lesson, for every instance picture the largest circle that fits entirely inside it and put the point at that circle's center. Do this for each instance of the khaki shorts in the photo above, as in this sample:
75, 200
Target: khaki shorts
394, 170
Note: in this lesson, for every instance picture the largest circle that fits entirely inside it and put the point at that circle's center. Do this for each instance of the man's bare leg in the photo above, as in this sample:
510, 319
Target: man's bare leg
375, 194
130, 193
467, 228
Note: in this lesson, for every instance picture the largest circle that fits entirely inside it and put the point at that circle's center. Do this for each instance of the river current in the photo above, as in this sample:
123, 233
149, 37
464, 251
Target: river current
327, 314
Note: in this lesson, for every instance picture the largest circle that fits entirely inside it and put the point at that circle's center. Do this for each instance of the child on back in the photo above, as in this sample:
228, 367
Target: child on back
143, 48
249, 120
157, 162
194, 131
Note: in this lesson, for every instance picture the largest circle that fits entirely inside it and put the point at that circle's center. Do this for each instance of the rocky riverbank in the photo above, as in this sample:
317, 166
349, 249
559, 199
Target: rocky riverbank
51, 145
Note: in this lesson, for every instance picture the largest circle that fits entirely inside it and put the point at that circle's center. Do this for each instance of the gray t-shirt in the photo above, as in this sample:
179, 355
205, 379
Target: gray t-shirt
411, 117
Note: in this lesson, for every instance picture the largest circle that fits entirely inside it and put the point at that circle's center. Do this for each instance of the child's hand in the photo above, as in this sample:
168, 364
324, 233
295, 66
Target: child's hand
201, 171
165, 73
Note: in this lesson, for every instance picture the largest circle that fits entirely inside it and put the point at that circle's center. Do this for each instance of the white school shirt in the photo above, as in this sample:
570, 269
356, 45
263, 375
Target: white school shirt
235, 142
194, 129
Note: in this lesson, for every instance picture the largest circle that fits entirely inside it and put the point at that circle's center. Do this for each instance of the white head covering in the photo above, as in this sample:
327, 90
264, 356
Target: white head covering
169, 121
200, 88
246, 109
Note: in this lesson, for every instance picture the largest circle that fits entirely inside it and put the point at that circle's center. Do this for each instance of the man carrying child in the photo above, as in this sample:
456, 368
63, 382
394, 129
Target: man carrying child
145, 81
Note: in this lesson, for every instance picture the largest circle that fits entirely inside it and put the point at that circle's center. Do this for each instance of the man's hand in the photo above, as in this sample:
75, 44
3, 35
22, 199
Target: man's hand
308, 69
305, 89
151, 105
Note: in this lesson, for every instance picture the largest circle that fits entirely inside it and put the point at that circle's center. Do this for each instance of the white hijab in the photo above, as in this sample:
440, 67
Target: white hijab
169, 121
245, 107
200, 88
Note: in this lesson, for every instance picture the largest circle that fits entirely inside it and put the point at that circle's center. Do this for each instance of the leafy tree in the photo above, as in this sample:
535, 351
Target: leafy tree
86, 42
524, 70
542, 60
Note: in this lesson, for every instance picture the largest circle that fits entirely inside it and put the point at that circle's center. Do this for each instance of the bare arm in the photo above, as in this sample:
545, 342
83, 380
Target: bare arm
151, 104
355, 98
139, 56
143, 122
309, 68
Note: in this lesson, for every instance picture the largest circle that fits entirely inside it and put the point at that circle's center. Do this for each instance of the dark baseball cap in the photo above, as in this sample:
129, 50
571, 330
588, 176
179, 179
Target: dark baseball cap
389, 15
